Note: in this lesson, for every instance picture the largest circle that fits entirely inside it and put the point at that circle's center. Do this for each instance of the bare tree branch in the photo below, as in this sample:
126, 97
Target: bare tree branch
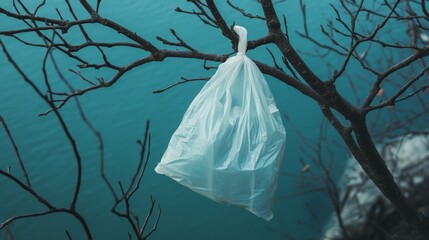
15, 148
242, 11
182, 80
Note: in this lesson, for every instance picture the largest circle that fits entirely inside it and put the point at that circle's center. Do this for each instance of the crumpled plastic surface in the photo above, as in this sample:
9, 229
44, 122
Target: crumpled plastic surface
231, 140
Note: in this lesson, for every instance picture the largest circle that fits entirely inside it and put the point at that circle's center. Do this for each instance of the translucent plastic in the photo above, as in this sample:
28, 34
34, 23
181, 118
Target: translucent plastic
231, 140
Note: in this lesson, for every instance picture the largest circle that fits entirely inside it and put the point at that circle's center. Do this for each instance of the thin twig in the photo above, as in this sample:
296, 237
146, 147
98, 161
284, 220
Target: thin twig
15, 148
242, 11
182, 81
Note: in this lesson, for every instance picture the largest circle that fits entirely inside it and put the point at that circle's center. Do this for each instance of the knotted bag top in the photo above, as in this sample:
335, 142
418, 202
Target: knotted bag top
242, 39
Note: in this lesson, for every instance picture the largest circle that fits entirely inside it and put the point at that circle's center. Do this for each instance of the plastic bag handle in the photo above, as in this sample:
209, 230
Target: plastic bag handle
242, 39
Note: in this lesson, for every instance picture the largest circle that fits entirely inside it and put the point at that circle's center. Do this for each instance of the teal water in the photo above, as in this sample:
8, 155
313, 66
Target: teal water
120, 113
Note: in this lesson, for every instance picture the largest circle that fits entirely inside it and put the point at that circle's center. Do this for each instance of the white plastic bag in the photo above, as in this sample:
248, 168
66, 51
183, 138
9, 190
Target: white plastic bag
230, 142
